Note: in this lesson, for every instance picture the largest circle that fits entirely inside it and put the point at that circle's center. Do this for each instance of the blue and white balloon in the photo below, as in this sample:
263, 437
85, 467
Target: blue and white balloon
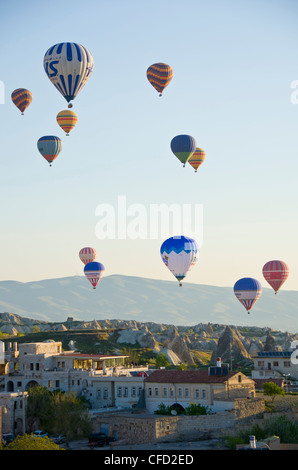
248, 291
179, 254
68, 66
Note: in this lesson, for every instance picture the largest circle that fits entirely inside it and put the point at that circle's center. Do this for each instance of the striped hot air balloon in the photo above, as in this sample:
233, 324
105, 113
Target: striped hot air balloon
183, 146
49, 146
248, 291
276, 273
87, 254
67, 120
68, 66
160, 75
21, 98
197, 158
179, 254
94, 272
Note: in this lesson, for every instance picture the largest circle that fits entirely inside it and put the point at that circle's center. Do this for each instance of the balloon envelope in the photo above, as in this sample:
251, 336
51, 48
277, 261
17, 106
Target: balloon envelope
179, 254
68, 66
248, 291
49, 146
160, 75
21, 98
87, 254
67, 120
276, 273
183, 146
94, 272
197, 158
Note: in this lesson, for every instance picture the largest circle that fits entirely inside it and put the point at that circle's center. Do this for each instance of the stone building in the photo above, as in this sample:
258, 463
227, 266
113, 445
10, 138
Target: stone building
215, 388
101, 378
12, 410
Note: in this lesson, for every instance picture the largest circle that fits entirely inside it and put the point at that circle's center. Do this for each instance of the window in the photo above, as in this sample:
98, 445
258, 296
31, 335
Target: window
156, 391
37, 366
134, 392
203, 393
287, 364
105, 393
57, 383
239, 378
125, 393
186, 392
50, 383
180, 392
31, 366
197, 393
98, 393
171, 392
165, 392
119, 392
275, 363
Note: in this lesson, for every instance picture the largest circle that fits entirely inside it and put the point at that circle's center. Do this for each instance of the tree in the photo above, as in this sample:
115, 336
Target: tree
271, 389
30, 442
71, 416
38, 408
161, 360
58, 413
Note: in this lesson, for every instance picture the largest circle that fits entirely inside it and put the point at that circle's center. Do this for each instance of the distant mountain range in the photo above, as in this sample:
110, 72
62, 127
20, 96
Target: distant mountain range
145, 300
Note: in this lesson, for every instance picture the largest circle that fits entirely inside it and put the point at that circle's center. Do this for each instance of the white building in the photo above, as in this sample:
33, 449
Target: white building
274, 364
103, 379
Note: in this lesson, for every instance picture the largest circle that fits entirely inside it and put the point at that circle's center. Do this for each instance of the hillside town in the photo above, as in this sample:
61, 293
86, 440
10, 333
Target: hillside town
126, 397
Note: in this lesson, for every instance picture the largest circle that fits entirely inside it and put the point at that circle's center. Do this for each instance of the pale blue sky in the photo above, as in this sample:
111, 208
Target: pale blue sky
233, 64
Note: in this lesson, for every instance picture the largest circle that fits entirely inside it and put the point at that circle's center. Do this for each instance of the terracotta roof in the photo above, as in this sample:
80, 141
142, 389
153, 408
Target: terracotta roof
260, 382
187, 376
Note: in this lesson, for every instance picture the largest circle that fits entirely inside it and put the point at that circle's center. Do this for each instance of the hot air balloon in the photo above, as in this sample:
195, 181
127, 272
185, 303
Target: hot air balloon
67, 120
183, 146
49, 146
197, 158
179, 254
21, 98
248, 291
87, 254
94, 272
276, 273
68, 66
160, 75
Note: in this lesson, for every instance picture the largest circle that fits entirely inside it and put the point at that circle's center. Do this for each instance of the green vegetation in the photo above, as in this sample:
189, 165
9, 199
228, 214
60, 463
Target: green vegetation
285, 429
271, 389
58, 413
191, 410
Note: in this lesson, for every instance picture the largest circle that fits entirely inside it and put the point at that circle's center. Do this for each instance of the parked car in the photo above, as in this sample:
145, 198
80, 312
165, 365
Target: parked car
7, 438
58, 439
99, 439
40, 433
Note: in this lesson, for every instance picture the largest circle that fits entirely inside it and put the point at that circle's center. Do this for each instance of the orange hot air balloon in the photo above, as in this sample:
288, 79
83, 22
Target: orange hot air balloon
159, 75
21, 98
197, 158
67, 120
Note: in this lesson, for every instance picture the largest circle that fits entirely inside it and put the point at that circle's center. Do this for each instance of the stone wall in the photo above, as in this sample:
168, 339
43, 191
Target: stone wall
147, 428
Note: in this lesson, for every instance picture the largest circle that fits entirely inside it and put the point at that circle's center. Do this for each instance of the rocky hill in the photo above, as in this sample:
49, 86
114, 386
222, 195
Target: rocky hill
180, 344
150, 300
